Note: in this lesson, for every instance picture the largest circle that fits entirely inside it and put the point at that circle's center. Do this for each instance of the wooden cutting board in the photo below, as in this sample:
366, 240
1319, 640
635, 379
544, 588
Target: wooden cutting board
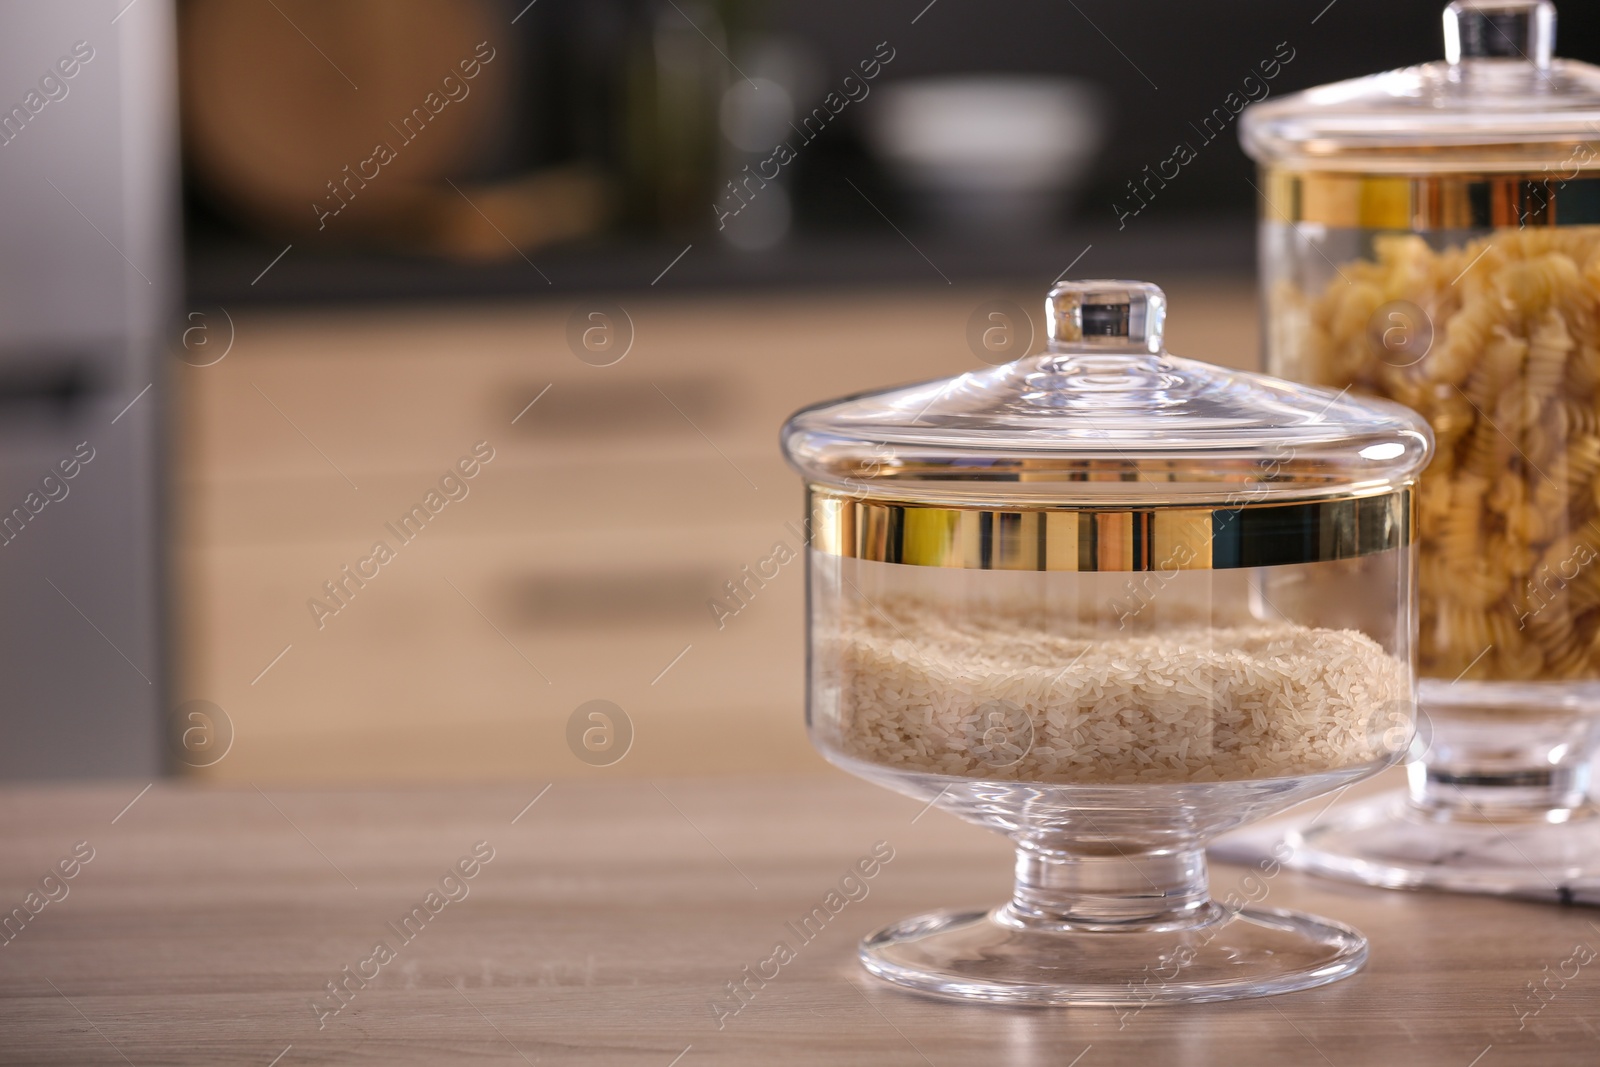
280, 96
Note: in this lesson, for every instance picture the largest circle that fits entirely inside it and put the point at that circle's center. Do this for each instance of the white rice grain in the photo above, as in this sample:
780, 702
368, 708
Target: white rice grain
919, 687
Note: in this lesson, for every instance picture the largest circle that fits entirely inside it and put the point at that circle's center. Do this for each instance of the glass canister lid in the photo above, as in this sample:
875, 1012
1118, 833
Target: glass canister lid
1499, 100
1107, 422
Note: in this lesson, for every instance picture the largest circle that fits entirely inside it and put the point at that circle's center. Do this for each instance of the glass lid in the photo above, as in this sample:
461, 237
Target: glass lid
1105, 417
1499, 100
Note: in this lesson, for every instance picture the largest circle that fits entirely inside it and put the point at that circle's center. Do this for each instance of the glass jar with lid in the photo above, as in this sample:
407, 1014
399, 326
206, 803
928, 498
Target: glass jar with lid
1432, 236
1110, 603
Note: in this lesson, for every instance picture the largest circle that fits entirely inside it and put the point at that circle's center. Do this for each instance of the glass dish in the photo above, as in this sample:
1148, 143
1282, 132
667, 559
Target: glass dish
1110, 603
1432, 236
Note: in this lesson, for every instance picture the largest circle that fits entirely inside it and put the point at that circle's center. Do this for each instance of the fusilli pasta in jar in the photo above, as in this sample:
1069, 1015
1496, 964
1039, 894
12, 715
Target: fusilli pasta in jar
1510, 508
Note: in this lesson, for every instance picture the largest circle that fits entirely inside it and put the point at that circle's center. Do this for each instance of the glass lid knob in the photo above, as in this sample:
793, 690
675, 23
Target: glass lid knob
1106, 316
1500, 29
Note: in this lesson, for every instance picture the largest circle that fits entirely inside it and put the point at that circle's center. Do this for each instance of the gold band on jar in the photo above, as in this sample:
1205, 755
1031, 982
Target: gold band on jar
1139, 539
1420, 203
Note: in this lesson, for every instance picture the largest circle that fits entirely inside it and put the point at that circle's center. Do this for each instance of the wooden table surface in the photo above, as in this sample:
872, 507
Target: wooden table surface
209, 920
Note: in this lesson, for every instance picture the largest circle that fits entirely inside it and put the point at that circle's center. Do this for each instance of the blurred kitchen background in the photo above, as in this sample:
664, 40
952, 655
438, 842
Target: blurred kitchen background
323, 250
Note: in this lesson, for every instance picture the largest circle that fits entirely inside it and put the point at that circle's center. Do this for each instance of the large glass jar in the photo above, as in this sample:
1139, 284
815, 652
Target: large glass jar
1110, 602
1432, 236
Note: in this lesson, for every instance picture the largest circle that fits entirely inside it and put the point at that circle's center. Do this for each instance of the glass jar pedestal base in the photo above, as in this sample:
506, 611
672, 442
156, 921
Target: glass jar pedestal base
977, 955
1392, 843
1112, 930
1498, 799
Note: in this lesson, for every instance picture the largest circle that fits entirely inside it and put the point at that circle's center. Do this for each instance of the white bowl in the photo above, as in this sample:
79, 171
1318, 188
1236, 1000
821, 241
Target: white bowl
987, 150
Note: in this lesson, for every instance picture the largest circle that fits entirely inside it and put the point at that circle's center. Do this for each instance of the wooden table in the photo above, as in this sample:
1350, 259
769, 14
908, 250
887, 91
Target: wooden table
209, 919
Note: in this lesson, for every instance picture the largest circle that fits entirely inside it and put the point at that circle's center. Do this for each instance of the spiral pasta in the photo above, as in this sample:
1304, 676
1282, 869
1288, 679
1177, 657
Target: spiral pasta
1510, 564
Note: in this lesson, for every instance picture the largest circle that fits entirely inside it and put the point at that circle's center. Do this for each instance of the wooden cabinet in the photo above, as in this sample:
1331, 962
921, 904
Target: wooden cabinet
577, 564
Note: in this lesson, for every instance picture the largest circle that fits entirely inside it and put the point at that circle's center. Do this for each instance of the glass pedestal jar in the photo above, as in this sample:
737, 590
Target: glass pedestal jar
1076, 599
1432, 236
1498, 799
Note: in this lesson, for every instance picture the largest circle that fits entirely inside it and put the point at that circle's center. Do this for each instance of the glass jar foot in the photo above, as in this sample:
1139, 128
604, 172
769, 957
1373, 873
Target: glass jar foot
1110, 926
985, 955
1393, 843
1498, 799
